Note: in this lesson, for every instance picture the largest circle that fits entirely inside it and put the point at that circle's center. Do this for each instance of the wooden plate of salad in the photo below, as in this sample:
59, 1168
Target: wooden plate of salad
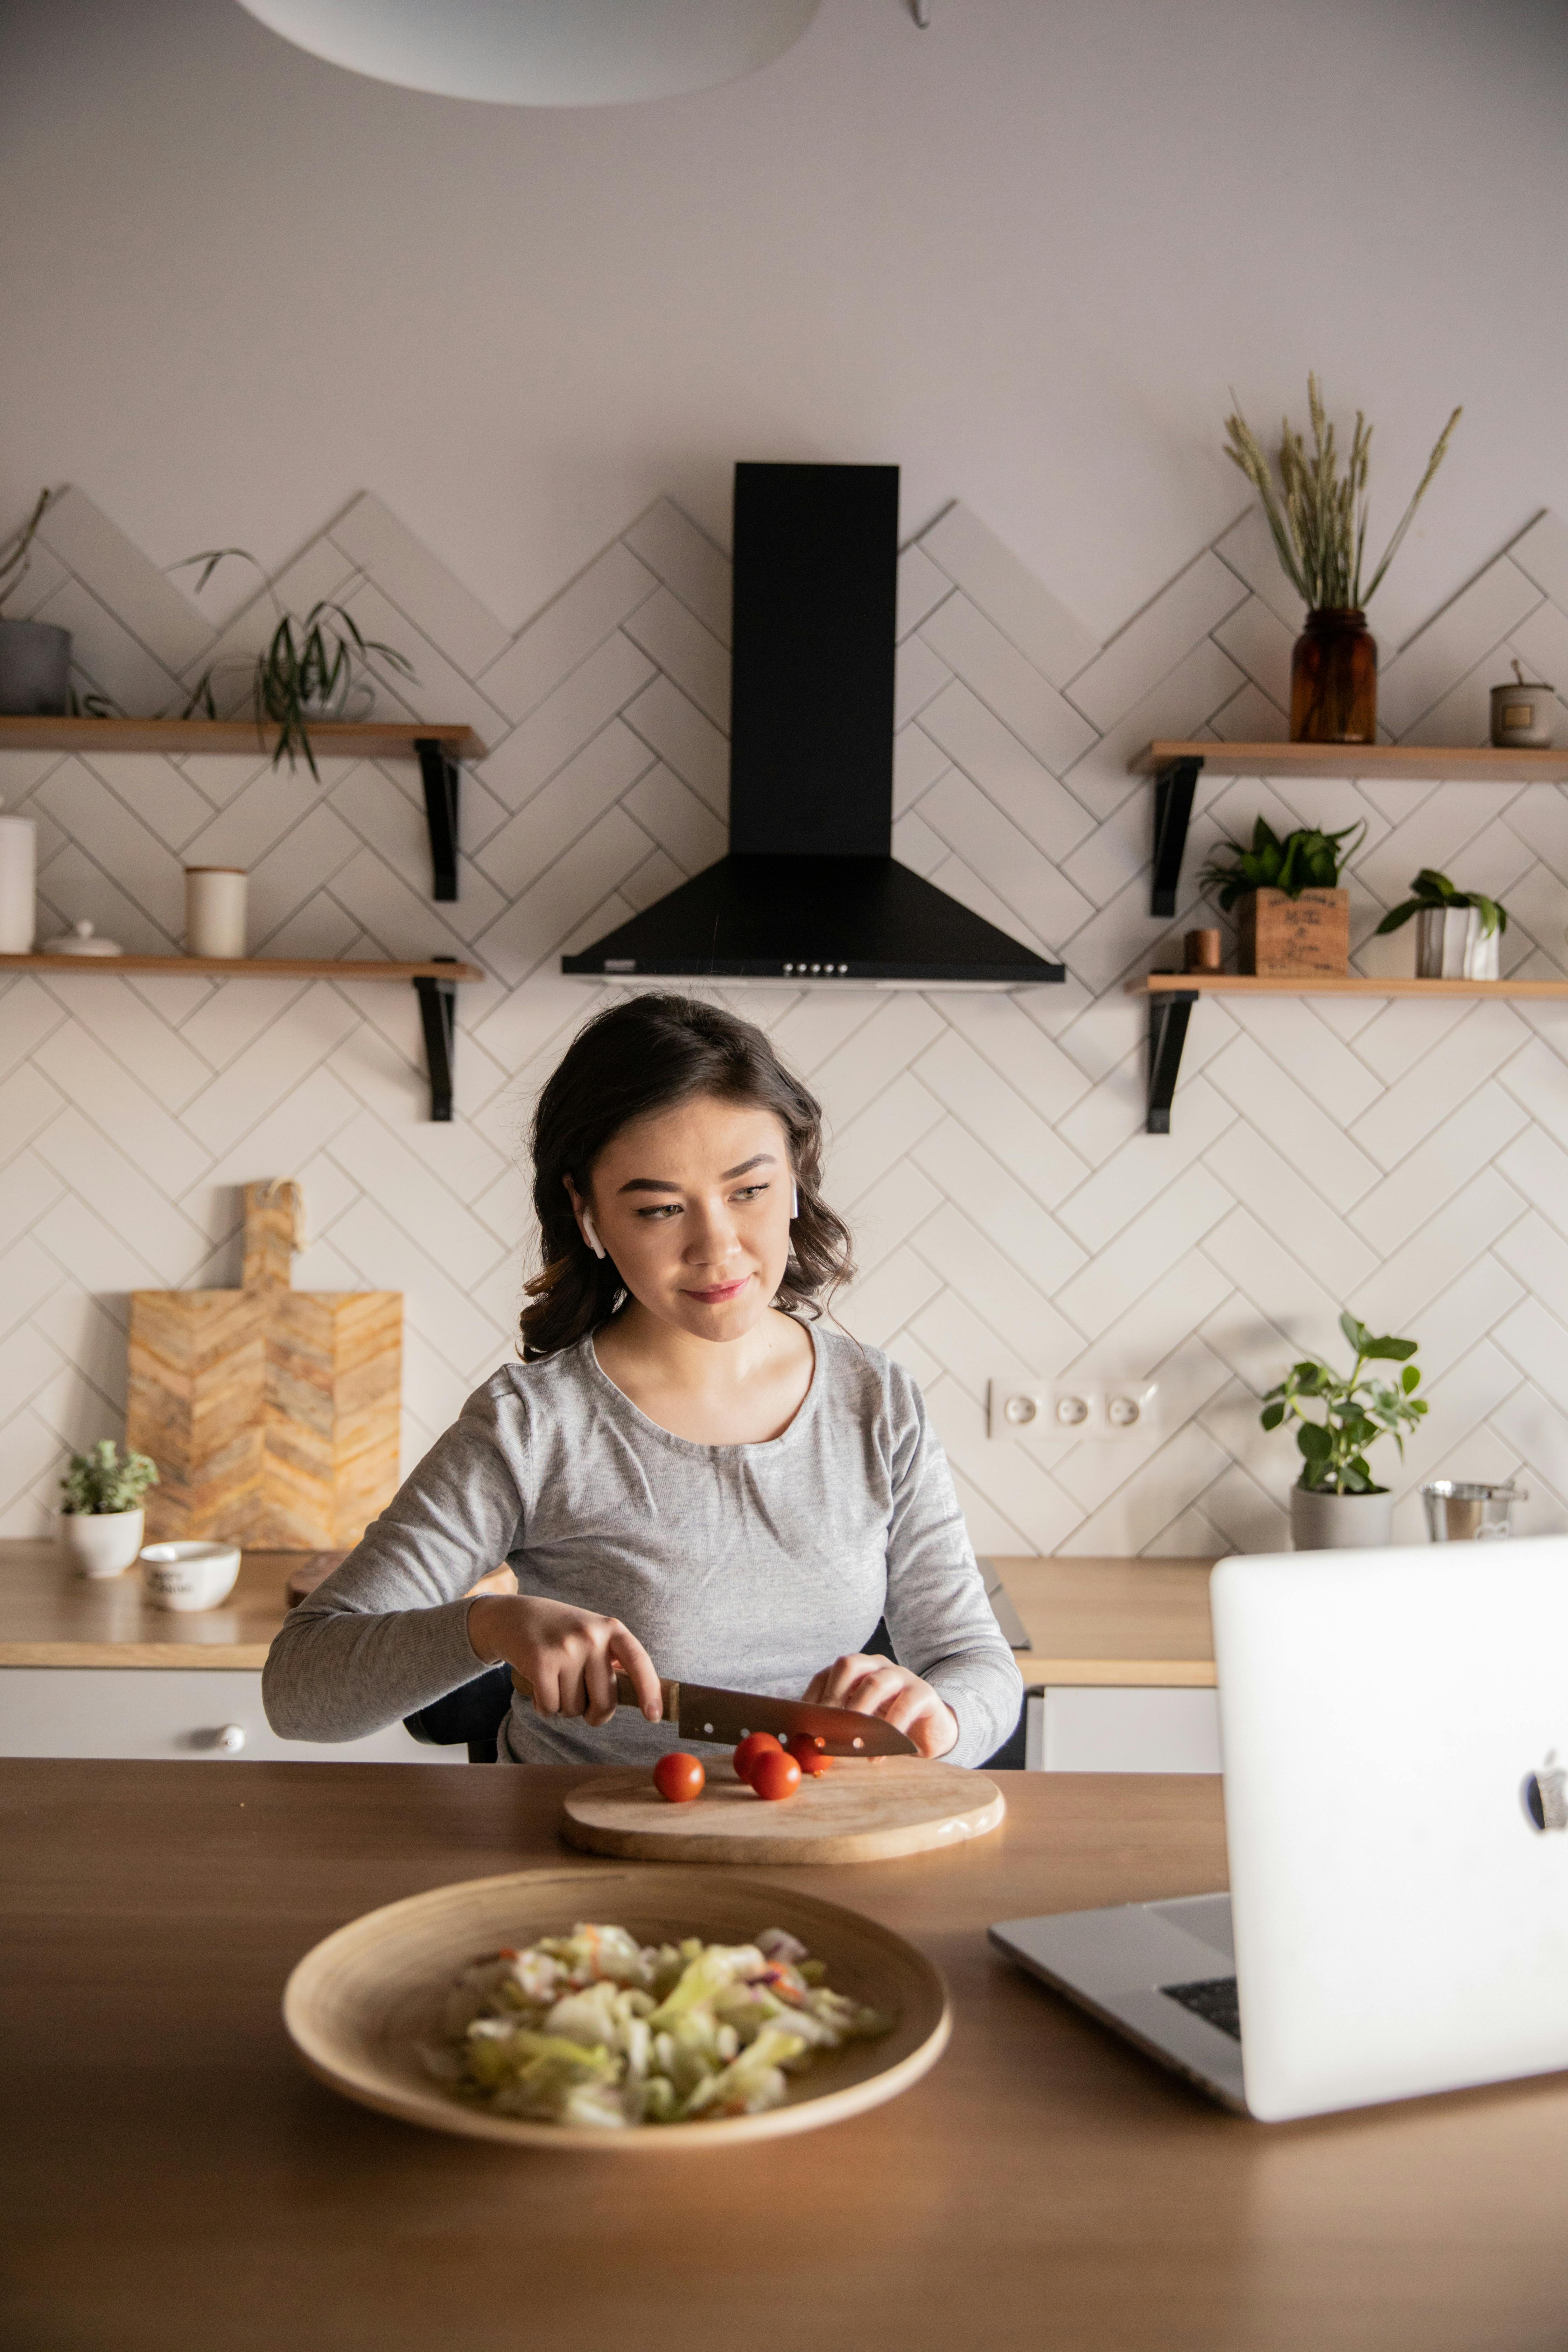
626, 2009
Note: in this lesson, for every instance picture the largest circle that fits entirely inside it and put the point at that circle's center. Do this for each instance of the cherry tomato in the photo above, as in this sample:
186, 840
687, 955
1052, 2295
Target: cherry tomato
806, 1749
774, 1775
679, 1776
755, 1744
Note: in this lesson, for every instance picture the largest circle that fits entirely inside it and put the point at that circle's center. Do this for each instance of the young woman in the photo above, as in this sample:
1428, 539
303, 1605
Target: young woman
690, 1474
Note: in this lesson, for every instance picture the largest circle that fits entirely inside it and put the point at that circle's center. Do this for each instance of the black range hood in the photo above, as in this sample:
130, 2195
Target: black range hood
811, 890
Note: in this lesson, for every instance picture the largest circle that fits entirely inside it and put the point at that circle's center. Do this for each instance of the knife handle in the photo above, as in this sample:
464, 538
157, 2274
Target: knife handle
626, 1694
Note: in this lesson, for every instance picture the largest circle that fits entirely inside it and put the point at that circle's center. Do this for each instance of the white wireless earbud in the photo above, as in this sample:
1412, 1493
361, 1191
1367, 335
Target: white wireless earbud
591, 1236
793, 1203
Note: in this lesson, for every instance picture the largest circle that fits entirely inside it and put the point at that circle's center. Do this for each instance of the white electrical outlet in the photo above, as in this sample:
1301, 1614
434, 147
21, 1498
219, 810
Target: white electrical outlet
1052, 1410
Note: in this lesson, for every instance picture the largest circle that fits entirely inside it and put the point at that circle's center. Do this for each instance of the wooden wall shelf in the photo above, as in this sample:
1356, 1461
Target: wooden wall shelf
1173, 995
250, 967
435, 983
372, 739
438, 750
1411, 762
1176, 767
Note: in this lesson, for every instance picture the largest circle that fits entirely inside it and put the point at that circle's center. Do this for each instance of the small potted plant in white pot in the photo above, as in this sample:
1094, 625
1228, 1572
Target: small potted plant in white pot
102, 1516
1457, 932
1336, 1504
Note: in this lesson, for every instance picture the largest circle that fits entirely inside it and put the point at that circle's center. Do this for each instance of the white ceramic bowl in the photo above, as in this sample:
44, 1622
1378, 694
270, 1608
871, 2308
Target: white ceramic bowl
189, 1575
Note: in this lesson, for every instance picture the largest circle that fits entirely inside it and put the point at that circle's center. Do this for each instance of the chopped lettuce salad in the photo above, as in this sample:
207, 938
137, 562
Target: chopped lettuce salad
595, 2028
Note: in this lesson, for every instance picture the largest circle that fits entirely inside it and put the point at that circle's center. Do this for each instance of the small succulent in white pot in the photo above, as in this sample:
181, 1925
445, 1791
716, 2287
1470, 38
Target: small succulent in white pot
102, 1516
1457, 932
1336, 1504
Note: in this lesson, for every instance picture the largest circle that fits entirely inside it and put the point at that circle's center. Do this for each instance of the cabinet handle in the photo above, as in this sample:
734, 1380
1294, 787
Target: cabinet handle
231, 1739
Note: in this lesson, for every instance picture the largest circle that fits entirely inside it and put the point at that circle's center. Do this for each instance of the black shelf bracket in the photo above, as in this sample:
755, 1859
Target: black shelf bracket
440, 773
439, 1018
1172, 814
1169, 1014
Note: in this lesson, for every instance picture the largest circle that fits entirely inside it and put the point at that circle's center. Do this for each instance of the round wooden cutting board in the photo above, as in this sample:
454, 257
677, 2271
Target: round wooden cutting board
855, 1812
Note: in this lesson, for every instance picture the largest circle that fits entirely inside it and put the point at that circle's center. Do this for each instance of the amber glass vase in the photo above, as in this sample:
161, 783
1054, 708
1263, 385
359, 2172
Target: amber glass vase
1333, 680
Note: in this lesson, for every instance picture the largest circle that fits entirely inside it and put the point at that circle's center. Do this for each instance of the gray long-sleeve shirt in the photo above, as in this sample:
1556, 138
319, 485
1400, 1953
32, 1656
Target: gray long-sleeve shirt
745, 1567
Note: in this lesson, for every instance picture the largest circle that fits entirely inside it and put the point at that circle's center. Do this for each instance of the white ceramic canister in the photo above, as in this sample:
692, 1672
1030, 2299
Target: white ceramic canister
18, 885
188, 1576
102, 1543
215, 910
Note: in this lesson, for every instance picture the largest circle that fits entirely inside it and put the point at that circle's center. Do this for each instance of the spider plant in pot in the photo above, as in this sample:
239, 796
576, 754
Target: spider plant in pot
35, 656
102, 1515
1457, 932
1291, 915
314, 667
1335, 1504
1317, 520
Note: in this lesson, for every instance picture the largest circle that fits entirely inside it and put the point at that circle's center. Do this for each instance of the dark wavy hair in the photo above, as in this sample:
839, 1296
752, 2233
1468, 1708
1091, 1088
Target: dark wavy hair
642, 1056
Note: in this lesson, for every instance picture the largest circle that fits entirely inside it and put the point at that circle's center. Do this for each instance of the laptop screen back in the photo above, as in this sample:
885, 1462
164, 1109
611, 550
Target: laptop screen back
1394, 1727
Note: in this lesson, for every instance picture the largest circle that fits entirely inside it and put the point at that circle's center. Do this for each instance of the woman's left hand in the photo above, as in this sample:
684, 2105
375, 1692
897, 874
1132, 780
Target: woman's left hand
878, 1687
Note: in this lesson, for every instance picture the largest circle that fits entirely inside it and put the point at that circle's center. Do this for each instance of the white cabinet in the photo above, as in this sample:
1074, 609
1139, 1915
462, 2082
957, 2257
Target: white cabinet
200, 1714
1081, 1728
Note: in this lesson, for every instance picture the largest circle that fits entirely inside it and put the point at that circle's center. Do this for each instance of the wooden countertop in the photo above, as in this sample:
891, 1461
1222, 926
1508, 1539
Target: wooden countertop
50, 1617
173, 2180
1113, 1621
1091, 1621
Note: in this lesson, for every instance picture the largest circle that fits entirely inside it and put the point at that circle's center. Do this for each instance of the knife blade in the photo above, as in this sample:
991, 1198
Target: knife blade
725, 1717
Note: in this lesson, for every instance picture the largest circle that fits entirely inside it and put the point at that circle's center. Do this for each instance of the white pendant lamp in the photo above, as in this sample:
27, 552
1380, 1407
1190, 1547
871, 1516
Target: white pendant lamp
543, 52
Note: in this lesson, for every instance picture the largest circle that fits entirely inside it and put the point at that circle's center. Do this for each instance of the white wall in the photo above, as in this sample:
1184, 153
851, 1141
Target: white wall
1023, 253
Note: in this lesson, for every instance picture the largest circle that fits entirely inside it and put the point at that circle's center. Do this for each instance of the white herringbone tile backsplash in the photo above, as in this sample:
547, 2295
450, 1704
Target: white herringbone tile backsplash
1405, 1158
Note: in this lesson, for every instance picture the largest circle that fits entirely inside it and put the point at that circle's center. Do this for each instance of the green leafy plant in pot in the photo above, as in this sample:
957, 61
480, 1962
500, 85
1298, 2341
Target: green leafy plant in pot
1457, 932
314, 667
1336, 1504
1292, 915
35, 656
101, 1513
1317, 518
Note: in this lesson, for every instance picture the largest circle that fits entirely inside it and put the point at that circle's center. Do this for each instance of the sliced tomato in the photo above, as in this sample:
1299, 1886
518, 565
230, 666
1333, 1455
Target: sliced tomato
774, 1775
679, 1778
755, 1744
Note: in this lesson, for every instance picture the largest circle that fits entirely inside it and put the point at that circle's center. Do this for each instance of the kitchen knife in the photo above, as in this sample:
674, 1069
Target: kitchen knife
726, 1716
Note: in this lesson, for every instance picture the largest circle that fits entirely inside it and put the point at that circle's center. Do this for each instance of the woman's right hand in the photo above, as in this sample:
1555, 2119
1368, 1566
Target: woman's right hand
569, 1655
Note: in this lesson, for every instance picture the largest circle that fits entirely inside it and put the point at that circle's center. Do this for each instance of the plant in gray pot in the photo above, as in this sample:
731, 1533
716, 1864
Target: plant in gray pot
35, 657
1335, 1505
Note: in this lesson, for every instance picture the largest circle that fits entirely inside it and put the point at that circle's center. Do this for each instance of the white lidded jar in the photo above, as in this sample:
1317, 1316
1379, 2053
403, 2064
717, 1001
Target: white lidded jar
214, 911
18, 885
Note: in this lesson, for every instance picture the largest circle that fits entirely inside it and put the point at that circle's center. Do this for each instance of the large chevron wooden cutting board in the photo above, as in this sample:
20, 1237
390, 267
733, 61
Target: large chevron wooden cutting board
272, 1413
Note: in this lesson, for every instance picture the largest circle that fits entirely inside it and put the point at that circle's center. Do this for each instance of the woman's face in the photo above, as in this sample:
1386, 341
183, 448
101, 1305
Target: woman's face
693, 1207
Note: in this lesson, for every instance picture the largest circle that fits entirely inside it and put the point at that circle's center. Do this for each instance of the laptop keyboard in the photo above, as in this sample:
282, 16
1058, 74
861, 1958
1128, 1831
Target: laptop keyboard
1214, 1998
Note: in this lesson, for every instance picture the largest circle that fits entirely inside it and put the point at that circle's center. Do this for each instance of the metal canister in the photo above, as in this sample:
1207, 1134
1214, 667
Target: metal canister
1469, 1510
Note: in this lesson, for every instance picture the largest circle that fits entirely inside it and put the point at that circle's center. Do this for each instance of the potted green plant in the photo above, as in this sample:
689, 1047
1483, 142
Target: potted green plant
35, 656
1292, 915
1457, 932
1317, 522
101, 1516
1335, 1504
311, 669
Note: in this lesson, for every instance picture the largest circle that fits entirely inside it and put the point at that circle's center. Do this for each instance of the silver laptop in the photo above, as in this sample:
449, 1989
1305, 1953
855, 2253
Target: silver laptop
1394, 1727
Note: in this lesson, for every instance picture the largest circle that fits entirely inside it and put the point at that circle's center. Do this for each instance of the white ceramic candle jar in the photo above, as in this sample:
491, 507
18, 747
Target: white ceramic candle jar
1524, 716
215, 910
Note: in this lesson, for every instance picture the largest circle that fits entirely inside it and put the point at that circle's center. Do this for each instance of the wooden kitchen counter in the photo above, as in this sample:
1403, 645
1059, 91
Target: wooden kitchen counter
1123, 1621
1091, 1621
50, 1617
174, 2181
